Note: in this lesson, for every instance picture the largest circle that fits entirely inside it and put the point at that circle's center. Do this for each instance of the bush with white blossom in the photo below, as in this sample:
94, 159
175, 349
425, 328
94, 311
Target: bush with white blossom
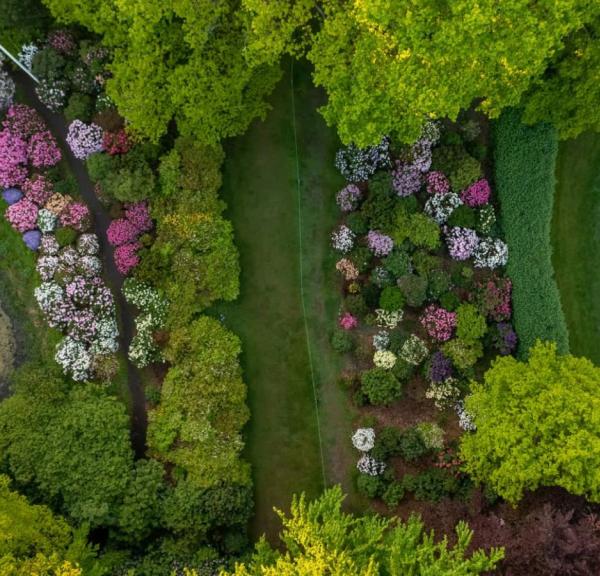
381, 340
385, 359
342, 239
368, 465
357, 164
414, 350
444, 394
490, 253
26, 54
441, 206
465, 420
364, 439
388, 319
46, 221
7, 89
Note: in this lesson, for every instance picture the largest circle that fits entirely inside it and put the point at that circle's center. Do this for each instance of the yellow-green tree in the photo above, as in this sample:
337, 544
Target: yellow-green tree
321, 539
538, 424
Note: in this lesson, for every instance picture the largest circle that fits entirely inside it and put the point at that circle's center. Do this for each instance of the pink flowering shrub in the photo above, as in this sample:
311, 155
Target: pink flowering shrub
139, 216
84, 139
380, 244
62, 42
438, 322
461, 242
347, 321
437, 183
121, 231
38, 189
477, 194
494, 298
13, 158
126, 257
22, 215
43, 150
76, 215
23, 121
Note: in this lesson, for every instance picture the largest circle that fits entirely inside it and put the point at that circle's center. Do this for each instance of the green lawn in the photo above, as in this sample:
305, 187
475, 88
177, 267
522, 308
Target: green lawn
260, 187
576, 241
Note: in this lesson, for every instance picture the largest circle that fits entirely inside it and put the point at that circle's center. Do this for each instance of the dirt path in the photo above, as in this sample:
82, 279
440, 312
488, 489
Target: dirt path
58, 126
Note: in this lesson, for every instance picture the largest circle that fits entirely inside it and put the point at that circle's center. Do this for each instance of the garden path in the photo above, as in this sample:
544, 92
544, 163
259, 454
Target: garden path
59, 128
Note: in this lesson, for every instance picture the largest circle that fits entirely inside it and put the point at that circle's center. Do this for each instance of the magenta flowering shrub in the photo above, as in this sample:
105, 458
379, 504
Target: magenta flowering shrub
438, 322
38, 189
379, 244
22, 215
437, 183
62, 42
84, 139
406, 179
139, 216
461, 243
23, 121
121, 231
76, 215
13, 159
348, 198
43, 150
347, 321
477, 194
126, 257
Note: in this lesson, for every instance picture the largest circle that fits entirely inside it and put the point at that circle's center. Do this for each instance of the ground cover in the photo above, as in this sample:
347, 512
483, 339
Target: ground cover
261, 190
576, 241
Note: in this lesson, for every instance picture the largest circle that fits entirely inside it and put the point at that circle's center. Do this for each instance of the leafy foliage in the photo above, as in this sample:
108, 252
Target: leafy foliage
536, 425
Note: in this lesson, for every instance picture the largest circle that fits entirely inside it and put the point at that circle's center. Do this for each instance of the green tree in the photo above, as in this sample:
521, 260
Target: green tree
321, 539
538, 424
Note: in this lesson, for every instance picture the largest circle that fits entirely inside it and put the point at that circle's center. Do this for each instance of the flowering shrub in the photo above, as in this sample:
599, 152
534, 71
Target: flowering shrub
7, 89
52, 93
32, 239
444, 394
49, 245
38, 190
88, 245
347, 321
342, 239
62, 42
368, 465
23, 121
121, 231
13, 158
26, 54
414, 350
348, 198
441, 206
380, 244
406, 179
364, 439
357, 164
43, 150
437, 183
347, 269
384, 359
138, 215
461, 242
477, 194
440, 367
46, 267
12, 195
504, 338
438, 322
74, 358
388, 319
46, 221
116, 142
76, 215
126, 257
494, 298
486, 219
381, 340
490, 253
22, 215
84, 139
57, 204
465, 420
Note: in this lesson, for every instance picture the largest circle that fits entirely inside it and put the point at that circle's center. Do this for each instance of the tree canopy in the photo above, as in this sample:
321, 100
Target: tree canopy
321, 539
538, 424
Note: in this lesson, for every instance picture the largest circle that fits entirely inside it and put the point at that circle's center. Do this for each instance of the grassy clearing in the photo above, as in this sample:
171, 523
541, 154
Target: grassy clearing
260, 187
576, 241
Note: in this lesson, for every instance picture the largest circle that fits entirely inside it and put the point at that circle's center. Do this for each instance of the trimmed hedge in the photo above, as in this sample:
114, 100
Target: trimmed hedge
524, 160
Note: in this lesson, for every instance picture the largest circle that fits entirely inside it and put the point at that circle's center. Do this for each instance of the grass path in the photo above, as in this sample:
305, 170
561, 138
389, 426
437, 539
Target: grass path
279, 189
576, 241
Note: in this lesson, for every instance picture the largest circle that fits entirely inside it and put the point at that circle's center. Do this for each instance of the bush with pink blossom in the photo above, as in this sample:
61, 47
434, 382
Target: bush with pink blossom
22, 215
62, 42
76, 215
38, 189
461, 242
126, 257
477, 194
121, 231
84, 139
437, 183
23, 121
347, 321
380, 244
348, 198
139, 216
43, 150
13, 159
438, 322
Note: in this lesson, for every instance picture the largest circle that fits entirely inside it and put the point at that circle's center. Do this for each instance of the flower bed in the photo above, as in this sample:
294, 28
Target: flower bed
72, 295
426, 304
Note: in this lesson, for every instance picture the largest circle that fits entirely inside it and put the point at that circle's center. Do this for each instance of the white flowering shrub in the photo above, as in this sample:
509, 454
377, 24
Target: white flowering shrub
46, 267
414, 350
490, 253
357, 164
444, 394
46, 221
342, 239
364, 439
486, 218
52, 94
441, 206
89, 266
74, 359
368, 465
431, 434
387, 319
49, 245
384, 359
26, 54
465, 420
7, 89
381, 340
88, 244
431, 132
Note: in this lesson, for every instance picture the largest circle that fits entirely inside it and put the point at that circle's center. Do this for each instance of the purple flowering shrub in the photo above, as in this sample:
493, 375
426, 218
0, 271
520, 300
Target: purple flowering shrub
439, 323
379, 244
121, 231
461, 242
76, 215
12, 195
406, 179
477, 194
440, 367
437, 183
84, 139
124, 233
348, 198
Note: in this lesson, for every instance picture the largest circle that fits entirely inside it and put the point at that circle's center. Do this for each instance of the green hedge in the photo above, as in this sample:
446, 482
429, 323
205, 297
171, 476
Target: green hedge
524, 159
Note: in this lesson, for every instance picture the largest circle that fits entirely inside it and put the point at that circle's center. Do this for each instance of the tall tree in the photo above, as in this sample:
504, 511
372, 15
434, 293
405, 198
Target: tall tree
538, 424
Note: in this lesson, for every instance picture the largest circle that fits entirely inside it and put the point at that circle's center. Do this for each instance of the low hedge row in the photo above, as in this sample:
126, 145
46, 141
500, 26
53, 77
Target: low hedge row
524, 160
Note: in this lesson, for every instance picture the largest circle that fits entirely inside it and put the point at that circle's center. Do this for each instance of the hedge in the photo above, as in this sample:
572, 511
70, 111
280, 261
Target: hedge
524, 160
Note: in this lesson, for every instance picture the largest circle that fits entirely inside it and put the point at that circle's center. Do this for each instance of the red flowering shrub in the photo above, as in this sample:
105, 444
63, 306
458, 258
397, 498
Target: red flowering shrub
116, 142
